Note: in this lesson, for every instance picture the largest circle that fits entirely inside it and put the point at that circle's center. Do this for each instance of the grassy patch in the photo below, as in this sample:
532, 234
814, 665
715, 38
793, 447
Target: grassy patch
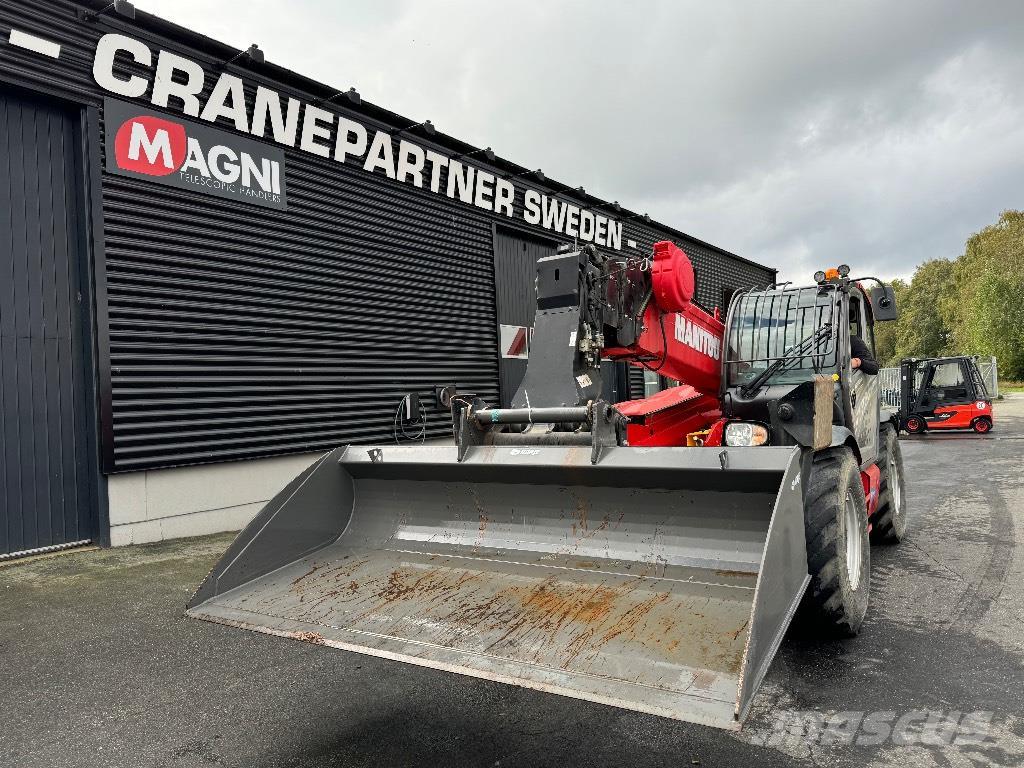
1011, 386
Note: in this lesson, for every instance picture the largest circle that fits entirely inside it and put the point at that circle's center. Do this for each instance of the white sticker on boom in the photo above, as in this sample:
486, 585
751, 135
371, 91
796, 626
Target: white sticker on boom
584, 380
572, 339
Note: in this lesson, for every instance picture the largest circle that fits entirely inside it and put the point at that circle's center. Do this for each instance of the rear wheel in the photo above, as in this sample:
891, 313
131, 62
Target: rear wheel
914, 425
982, 424
889, 523
838, 551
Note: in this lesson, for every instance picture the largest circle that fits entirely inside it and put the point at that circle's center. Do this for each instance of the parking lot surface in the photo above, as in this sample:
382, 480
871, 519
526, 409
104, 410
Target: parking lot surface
100, 668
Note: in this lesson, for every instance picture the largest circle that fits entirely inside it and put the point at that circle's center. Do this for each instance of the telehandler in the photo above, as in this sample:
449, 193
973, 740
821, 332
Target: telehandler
647, 555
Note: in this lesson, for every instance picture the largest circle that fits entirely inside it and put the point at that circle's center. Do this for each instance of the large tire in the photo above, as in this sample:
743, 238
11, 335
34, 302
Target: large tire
889, 523
838, 550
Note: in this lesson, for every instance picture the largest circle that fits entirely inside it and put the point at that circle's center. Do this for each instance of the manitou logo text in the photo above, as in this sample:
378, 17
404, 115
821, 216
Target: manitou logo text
696, 337
193, 157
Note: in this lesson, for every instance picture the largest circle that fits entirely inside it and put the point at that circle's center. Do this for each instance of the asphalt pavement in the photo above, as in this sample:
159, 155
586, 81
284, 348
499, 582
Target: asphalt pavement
100, 668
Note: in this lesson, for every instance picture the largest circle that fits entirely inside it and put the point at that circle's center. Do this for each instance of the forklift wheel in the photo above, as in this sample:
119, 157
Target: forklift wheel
915, 425
982, 425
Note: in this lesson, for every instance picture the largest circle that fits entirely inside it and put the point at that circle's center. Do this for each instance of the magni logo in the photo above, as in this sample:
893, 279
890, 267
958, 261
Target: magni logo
150, 145
191, 156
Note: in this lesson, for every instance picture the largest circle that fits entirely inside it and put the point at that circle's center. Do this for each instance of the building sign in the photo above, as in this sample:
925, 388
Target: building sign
188, 155
129, 68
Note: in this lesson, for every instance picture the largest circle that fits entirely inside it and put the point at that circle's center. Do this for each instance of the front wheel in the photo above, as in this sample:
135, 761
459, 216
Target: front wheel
838, 550
914, 425
982, 424
889, 523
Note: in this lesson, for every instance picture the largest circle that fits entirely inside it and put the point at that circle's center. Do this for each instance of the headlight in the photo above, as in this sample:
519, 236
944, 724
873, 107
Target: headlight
741, 433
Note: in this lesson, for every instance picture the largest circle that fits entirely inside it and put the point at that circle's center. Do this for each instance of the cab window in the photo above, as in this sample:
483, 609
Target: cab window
858, 324
948, 375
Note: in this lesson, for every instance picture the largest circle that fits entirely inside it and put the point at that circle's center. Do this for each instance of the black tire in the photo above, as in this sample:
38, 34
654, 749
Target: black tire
836, 599
889, 523
982, 425
915, 425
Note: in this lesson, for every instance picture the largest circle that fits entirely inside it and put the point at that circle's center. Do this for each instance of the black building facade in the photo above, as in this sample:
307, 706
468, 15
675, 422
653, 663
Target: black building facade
210, 258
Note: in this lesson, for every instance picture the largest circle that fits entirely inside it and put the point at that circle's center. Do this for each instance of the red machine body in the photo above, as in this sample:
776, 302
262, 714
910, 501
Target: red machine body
680, 341
871, 479
962, 416
667, 417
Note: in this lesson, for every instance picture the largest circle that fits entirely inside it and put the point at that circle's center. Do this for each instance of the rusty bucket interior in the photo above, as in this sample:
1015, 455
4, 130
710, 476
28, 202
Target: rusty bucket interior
659, 580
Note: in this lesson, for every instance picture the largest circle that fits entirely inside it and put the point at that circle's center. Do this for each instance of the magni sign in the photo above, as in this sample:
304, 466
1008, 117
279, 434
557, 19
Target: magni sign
188, 155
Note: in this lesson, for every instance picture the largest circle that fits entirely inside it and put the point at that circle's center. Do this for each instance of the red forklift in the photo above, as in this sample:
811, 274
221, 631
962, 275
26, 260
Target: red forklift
943, 393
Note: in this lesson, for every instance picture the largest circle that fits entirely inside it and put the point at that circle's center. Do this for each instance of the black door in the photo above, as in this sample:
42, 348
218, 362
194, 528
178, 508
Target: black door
45, 461
515, 271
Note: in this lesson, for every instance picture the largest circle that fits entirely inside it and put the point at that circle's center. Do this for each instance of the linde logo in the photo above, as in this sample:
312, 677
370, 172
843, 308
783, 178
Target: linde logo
190, 156
173, 82
692, 335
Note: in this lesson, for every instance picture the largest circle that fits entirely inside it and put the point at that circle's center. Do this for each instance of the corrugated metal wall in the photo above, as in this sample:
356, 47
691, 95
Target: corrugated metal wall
45, 463
238, 332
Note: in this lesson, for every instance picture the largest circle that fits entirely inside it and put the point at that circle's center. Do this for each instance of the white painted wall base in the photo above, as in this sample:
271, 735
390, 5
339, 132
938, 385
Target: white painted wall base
192, 501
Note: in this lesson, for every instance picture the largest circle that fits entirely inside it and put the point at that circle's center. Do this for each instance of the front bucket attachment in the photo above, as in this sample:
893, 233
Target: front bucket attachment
659, 579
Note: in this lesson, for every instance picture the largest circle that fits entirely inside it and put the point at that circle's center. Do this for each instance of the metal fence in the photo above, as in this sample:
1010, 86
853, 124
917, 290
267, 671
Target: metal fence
889, 385
889, 381
989, 369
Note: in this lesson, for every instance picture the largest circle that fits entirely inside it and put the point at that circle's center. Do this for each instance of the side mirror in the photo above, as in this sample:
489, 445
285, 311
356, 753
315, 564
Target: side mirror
883, 303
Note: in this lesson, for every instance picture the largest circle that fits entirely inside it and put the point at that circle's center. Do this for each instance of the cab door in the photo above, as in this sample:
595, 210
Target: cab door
864, 389
949, 384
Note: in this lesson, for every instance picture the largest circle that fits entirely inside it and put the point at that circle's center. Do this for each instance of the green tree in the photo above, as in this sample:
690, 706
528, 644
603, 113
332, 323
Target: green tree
922, 329
986, 311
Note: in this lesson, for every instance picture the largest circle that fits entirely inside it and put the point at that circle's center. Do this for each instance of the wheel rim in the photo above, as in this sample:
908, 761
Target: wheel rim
914, 425
895, 486
853, 540
982, 425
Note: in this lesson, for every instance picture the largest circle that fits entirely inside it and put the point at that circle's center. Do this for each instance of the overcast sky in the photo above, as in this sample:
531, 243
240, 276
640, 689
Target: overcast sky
797, 134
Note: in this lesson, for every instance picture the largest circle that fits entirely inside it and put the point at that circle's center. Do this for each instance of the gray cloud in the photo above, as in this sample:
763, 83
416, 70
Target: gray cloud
796, 134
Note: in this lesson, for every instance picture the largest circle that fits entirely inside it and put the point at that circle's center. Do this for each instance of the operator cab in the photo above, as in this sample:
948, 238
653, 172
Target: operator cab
797, 325
787, 368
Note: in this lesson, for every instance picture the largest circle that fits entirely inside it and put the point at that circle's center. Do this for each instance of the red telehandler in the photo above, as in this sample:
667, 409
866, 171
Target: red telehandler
647, 555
